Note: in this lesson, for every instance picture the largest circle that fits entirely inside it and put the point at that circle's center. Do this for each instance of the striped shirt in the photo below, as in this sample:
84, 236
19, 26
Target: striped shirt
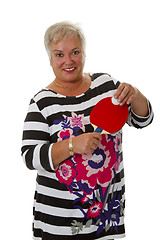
84, 197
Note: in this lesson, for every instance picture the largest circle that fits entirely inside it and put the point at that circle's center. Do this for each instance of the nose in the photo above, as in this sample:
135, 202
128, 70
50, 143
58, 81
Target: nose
68, 59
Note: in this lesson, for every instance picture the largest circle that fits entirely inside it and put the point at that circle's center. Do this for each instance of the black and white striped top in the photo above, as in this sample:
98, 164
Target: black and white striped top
84, 197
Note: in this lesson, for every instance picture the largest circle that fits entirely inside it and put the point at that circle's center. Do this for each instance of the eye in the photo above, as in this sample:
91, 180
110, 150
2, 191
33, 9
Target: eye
60, 55
76, 52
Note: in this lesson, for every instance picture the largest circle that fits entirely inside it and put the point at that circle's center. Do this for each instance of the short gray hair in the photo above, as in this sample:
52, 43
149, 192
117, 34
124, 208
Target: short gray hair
60, 31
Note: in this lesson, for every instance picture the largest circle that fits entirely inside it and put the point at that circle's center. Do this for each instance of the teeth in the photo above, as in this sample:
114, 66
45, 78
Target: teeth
69, 69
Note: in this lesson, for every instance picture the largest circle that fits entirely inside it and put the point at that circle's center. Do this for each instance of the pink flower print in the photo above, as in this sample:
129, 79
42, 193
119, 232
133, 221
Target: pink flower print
78, 121
95, 210
116, 166
64, 134
97, 160
66, 172
118, 142
96, 168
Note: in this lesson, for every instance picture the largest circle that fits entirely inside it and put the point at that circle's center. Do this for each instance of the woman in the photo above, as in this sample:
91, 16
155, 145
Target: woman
80, 176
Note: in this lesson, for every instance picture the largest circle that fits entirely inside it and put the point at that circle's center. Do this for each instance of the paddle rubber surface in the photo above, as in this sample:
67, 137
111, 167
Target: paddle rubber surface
109, 116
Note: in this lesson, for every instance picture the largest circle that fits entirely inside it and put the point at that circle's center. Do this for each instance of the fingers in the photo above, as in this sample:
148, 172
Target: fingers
92, 142
95, 141
97, 136
86, 143
125, 93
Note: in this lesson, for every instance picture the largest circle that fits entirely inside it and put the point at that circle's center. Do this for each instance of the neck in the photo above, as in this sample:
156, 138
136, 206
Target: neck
76, 84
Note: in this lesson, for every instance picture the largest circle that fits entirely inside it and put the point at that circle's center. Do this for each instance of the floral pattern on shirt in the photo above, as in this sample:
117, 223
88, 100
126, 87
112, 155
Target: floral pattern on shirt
91, 176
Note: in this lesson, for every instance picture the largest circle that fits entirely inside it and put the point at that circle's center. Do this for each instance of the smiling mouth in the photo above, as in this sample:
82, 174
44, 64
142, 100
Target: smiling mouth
69, 69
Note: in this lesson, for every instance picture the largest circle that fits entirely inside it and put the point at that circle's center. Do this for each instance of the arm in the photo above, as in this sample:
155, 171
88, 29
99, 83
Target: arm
37, 150
84, 143
36, 146
131, 95
140, 105
141, 114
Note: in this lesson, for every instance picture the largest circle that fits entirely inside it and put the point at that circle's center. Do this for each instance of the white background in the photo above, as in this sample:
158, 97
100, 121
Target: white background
123, 40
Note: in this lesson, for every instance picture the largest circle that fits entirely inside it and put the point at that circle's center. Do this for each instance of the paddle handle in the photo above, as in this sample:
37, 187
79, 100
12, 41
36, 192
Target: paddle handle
98, 129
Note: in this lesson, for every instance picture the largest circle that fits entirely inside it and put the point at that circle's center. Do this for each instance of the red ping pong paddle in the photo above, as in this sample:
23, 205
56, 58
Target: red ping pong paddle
107, 115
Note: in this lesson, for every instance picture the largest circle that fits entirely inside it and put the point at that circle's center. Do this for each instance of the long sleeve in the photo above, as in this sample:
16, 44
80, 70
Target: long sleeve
36, 146
138, 121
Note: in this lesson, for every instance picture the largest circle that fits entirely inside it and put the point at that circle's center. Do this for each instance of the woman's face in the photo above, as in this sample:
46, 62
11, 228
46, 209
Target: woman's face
67, 59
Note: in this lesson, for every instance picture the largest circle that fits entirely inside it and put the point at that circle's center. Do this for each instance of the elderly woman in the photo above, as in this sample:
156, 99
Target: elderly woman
80, 176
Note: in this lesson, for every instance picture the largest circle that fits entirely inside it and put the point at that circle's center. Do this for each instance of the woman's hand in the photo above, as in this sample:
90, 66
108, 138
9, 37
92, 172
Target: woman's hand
128, 94
86, 142
125, 93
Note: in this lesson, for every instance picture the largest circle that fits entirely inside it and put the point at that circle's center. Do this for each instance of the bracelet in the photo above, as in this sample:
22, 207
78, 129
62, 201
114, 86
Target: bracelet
71, 147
